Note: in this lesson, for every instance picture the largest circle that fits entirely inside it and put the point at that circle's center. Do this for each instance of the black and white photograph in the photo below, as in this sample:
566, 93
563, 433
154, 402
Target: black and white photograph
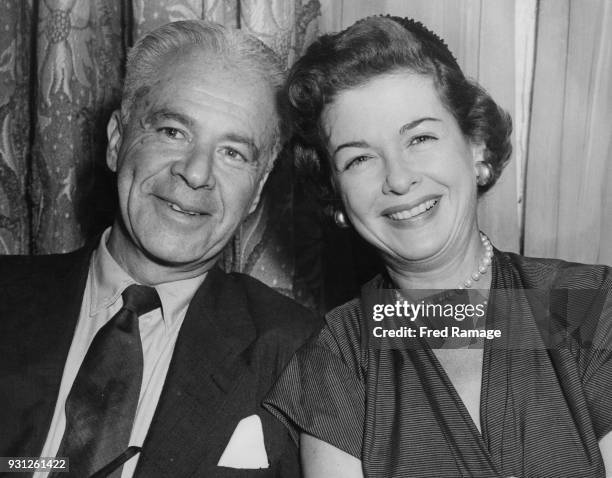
306, 238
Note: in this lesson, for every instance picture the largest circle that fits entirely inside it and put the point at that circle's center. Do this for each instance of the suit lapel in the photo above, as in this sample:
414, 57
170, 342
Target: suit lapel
206, 373
49, 306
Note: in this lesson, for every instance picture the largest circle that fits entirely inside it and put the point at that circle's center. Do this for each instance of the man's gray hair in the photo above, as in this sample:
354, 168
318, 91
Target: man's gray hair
232, 47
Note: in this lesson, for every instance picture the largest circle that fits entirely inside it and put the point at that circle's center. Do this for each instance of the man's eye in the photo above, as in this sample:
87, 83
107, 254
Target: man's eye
172, 133
421, 139
233, 154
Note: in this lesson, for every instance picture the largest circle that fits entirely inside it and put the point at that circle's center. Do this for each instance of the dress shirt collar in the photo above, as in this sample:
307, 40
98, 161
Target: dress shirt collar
109, 280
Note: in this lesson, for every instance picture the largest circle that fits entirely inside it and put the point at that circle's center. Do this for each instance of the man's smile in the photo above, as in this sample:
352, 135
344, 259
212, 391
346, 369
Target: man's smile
177, 208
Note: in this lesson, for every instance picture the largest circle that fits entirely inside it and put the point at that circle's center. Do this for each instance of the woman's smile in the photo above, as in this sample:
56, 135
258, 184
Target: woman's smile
410, 213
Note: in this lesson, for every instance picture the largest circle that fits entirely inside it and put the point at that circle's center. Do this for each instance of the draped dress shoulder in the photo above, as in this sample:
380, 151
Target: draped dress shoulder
546, 396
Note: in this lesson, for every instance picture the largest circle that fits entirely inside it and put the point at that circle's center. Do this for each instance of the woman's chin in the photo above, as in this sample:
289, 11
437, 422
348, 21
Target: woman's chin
402, 254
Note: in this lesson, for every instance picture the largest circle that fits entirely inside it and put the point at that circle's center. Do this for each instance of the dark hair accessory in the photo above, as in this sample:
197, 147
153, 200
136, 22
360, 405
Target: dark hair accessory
422, 31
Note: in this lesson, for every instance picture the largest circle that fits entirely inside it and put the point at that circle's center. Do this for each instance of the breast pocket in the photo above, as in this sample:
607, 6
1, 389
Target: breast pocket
224, 472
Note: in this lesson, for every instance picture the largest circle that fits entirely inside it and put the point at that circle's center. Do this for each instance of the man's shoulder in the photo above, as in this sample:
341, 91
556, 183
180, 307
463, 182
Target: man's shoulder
272, 311
38, 292
27, 268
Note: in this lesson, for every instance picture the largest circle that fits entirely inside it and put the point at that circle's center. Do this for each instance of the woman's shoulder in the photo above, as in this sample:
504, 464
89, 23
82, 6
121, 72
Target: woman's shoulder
540, 272
343, 331
342, 335
348, 313
347, 319
578, 297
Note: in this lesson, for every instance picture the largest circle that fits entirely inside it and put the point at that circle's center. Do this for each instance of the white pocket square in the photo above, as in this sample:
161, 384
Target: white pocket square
246, 448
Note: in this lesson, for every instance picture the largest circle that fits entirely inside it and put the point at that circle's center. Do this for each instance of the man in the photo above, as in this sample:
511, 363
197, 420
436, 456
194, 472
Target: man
166, 380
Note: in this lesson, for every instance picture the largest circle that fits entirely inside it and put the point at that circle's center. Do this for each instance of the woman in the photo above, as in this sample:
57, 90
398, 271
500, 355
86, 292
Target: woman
407, 144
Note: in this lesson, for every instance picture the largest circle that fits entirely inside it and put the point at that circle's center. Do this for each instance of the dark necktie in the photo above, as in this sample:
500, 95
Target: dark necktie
101, 405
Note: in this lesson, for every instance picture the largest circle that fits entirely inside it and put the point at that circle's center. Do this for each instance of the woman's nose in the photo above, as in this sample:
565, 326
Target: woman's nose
400, 176
196, 168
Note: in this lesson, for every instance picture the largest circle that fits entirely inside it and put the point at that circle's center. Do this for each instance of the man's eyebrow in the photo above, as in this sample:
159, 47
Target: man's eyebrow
165, 114
351, 144
415, 123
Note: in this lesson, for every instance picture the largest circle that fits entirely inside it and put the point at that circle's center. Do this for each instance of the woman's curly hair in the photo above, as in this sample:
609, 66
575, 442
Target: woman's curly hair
375, 46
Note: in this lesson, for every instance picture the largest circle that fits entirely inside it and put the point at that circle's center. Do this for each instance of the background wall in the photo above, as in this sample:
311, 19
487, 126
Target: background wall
548, 62
568, 190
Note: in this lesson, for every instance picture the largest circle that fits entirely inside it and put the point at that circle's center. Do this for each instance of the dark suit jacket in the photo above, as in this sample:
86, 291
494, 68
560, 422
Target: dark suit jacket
236, 338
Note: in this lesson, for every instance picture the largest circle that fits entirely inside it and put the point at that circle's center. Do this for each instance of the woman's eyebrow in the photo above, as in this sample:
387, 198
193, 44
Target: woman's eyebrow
402, 130
351, 144
415, 123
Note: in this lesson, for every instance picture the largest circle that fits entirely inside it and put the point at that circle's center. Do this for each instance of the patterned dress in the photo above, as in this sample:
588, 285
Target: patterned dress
546, 396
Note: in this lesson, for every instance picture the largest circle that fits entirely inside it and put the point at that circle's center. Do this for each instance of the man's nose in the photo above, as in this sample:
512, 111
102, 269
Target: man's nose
196, 168
400, 175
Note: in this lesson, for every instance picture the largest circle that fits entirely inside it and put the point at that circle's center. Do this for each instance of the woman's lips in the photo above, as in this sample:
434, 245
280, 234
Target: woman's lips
402, 213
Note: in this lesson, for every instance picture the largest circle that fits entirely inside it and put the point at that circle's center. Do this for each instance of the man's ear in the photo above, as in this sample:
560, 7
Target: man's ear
113, 134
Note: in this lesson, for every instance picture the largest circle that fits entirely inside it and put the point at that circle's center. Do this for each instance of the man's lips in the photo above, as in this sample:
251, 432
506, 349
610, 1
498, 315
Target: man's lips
184, 208
177, 208
412, 209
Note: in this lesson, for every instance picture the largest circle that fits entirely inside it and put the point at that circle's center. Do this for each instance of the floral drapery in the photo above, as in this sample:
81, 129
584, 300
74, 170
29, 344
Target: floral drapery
15, 27
61, 67
60, 76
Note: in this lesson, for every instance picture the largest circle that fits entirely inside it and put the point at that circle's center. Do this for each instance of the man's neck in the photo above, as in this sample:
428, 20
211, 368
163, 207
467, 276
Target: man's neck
144, 269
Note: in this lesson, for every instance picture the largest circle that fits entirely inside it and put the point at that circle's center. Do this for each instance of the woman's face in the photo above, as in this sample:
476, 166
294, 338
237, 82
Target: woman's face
405, 172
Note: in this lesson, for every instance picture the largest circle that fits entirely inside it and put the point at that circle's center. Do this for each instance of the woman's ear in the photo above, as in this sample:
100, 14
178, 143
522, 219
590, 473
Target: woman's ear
333, 177
478, 152
113, 134
334, 184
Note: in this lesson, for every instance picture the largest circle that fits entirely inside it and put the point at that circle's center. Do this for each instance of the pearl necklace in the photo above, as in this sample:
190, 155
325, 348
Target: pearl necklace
484, 265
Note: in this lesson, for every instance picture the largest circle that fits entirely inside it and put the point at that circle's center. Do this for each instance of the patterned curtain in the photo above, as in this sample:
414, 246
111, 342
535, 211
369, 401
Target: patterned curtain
61, 67
15, 136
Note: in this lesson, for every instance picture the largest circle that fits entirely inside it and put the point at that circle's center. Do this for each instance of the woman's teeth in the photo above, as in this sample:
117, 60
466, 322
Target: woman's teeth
415, 211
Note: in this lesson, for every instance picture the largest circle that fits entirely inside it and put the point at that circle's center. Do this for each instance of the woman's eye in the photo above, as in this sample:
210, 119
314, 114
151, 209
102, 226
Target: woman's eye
172, 133
356, 161
421, 139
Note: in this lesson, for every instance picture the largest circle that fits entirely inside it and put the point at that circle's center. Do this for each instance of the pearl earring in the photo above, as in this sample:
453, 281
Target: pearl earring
340, 219
484, 173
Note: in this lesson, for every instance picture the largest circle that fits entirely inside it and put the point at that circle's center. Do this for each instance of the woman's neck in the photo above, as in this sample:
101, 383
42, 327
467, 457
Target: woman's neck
452, 269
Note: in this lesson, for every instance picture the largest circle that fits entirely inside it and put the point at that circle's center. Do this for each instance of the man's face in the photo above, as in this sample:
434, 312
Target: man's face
190, 165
